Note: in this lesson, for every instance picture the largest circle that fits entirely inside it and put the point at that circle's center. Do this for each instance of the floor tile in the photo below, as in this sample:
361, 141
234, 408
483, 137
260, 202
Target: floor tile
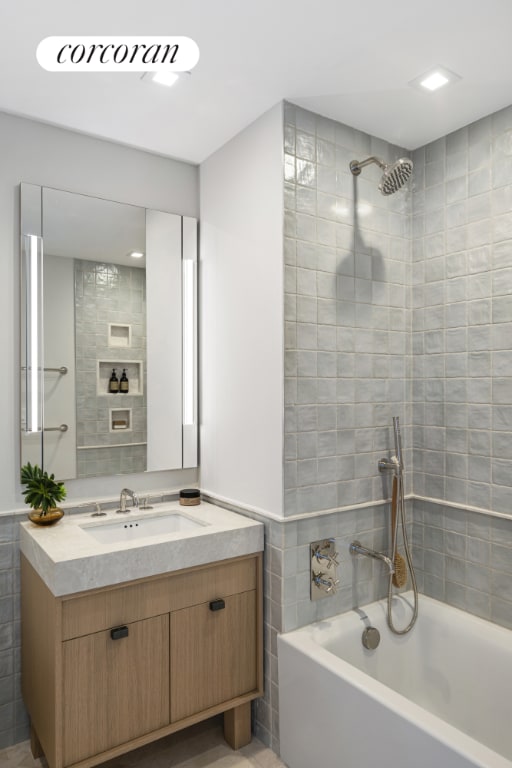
201, 746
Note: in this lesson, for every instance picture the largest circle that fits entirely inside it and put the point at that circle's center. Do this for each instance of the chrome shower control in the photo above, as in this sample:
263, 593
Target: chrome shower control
332, 560
323, 564
329, 585
387, 465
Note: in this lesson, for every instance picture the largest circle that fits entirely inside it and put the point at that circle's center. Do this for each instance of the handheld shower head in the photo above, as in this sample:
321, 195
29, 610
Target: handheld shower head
395, 174
398, 442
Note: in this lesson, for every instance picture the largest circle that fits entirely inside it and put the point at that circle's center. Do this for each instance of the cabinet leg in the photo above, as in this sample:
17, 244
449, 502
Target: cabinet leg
35, 746
237, 726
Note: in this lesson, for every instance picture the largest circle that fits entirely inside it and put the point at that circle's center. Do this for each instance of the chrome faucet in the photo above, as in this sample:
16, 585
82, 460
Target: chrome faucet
122, 500
356, 548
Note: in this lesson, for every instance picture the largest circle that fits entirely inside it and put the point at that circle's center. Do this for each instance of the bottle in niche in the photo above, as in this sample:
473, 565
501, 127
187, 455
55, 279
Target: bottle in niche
113, 383
124, 384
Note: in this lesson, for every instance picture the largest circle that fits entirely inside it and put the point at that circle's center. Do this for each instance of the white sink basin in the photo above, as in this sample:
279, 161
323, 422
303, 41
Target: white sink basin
133, 528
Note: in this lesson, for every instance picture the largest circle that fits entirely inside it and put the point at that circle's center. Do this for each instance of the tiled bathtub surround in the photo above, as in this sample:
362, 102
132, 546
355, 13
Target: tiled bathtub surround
347, 253
462, 316
464, 558
461, 557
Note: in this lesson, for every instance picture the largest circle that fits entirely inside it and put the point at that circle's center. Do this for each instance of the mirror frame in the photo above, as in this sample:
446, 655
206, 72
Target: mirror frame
163, 311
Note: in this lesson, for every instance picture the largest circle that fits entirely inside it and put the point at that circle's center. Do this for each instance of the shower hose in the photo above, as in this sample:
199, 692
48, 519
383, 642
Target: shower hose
401, 517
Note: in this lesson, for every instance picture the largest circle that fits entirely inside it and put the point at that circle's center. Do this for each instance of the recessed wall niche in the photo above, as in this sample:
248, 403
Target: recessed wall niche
119, 335
120, 419
134, 372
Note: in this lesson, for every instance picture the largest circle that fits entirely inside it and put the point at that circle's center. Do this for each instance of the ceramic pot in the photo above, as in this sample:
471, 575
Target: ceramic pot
53, 515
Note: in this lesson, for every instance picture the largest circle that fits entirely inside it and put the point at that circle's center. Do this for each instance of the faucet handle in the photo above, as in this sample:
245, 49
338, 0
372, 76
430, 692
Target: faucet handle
329, 585
333, 587
98, 512
324, 552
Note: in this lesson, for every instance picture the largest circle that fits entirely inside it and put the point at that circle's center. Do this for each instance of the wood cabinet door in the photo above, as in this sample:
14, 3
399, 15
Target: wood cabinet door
114, 689
213, 654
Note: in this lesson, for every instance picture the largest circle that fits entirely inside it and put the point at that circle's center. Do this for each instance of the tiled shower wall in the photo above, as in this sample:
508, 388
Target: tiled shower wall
108, 293
462, 367
347, 319
462, 316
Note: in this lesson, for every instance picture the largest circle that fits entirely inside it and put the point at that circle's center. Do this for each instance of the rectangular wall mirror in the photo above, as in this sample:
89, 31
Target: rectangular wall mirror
108, 336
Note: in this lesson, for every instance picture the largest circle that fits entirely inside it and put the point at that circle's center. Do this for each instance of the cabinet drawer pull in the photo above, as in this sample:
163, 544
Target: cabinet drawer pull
118, 632
217, 605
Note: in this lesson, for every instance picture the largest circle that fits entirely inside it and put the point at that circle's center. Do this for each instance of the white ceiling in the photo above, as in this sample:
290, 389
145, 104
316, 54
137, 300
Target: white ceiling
351, 61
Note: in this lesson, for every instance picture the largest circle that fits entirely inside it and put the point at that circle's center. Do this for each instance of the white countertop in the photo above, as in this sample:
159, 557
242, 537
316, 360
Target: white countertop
70, 560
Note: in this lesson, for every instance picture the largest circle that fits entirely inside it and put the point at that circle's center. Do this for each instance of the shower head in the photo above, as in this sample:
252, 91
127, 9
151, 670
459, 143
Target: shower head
395, 174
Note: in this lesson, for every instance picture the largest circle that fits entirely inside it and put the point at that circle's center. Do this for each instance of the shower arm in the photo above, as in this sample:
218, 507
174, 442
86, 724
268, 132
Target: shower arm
356, 165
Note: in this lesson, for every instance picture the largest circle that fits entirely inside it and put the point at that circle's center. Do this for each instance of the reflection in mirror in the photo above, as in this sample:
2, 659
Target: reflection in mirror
88, 247
96, 354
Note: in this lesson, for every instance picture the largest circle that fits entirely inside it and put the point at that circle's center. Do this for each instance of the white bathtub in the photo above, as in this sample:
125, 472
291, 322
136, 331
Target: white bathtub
439, 697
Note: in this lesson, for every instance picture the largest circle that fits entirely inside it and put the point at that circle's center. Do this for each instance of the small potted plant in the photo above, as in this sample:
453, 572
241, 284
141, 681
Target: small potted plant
42, 494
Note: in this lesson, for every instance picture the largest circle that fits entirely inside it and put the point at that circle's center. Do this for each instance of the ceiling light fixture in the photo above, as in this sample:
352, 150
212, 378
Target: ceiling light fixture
136, 255
164, 78
434, 79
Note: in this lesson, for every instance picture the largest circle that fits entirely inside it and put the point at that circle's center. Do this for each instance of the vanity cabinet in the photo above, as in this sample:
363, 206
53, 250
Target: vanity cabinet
205, 673
114, 690
108, 670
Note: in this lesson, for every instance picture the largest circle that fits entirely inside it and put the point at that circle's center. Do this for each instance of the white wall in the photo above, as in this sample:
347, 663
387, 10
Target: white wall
241, 300
41, 154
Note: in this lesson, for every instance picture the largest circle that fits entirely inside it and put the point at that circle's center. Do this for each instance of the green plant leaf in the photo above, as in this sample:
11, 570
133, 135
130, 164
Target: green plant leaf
42, 490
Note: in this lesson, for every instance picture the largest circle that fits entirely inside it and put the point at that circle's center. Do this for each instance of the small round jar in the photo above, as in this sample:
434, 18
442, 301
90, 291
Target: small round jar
189, 497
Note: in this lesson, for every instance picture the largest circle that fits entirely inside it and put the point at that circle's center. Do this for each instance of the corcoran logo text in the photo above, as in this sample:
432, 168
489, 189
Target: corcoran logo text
117, 54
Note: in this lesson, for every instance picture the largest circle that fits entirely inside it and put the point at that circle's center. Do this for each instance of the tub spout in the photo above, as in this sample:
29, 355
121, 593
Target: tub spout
356, 548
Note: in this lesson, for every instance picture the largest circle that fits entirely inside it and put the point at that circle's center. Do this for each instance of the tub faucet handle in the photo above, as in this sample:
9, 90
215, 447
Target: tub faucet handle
332, 560
328, 584
326, 553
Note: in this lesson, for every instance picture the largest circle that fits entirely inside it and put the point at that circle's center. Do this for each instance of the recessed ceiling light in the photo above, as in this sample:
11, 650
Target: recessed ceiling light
165, 78
136, 255
434, 79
